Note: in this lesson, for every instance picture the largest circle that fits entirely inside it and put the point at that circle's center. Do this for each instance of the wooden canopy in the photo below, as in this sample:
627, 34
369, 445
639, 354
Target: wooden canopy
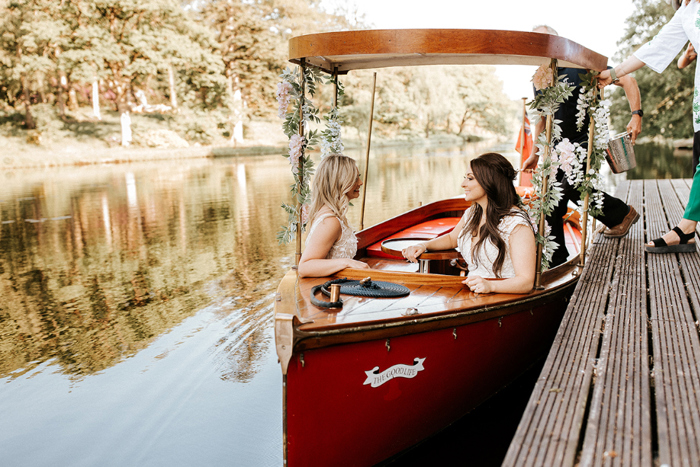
381, 48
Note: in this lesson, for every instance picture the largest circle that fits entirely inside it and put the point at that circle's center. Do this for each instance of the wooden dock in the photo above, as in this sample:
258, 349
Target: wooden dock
621, 384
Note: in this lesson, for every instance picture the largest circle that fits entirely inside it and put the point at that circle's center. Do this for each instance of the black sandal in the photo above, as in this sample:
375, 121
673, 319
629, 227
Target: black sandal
660, 245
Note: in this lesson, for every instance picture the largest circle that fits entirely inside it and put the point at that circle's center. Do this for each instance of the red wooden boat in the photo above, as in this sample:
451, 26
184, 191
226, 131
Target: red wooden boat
368, 380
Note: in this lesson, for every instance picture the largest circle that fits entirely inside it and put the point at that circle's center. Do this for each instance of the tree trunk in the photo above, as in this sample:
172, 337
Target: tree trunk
125, 118
463, 122
62, 95
237, 108
126, 128
173, 94
96, 100
28, 118
72, 99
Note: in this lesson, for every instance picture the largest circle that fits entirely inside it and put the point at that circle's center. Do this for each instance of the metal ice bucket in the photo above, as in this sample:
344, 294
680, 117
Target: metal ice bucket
620, 153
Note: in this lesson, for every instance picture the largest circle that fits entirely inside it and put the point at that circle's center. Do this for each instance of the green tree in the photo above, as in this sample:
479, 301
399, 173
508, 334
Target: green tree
666, 97
249, 50
31, 35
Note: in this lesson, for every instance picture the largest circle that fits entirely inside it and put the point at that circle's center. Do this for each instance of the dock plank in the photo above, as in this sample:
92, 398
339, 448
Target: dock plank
669, 307
621, 385
619, 420
549, 431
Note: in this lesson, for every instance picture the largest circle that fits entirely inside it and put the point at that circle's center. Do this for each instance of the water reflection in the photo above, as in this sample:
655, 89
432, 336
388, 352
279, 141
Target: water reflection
95, 262
657, 161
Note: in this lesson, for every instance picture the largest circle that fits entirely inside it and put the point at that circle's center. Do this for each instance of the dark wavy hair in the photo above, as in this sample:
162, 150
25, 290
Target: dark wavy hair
495, 175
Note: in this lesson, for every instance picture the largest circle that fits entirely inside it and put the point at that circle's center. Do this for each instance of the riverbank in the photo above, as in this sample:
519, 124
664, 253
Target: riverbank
263, 139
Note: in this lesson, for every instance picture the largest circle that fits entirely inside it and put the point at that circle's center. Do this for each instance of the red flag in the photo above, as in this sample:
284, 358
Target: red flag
525, 178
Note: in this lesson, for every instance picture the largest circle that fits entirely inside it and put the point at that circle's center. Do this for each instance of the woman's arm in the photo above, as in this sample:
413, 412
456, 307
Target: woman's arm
313, 262
523, 255
443, 242
657, 54
630, 65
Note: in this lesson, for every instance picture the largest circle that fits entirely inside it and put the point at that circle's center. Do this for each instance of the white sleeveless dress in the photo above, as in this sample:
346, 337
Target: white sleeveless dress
345, 246
482, 264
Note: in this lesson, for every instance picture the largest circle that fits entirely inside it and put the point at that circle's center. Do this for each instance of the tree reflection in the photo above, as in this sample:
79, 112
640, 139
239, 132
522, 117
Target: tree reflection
95, 265
657, 161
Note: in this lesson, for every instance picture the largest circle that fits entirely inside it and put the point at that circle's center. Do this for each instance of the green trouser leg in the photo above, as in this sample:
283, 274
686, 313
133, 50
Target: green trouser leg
692, 209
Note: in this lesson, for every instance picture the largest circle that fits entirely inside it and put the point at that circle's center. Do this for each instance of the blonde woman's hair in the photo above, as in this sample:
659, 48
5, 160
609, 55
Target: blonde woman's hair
335, 176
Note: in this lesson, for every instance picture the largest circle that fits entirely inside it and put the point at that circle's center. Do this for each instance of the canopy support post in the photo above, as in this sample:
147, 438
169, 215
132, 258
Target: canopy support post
300, 170
522, 139
335, 86
586, 199
369, 139
545, 187
542, 220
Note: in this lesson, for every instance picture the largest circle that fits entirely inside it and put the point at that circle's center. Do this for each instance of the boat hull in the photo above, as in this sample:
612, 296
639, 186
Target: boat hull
336, 416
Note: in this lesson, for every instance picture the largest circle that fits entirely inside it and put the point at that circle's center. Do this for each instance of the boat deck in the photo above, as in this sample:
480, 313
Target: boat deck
621, 383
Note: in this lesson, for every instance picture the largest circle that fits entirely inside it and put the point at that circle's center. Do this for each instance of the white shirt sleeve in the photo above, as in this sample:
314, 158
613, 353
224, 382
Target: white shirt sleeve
659, 52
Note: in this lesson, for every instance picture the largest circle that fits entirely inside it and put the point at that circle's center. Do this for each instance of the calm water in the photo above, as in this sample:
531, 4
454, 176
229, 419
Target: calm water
136, 309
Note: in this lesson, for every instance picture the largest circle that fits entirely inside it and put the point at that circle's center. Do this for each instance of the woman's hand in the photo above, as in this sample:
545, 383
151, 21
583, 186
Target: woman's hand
478, 284
413, 252
351, 263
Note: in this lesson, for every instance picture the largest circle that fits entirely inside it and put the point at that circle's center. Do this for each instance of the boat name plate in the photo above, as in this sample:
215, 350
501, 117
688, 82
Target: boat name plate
376, 379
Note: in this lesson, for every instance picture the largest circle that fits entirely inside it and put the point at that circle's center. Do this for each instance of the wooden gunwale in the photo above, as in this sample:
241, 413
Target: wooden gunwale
380, 48
311, 334
306, 340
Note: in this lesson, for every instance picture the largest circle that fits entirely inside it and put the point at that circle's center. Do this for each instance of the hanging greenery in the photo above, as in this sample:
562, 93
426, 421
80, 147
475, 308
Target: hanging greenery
292, 90
331, 142
551, 94
589, 103
569, 157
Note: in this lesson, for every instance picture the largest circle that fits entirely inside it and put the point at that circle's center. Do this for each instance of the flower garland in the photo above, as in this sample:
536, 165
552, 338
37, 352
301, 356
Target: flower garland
590, 104
569, 157
331, 141
292, 90
546, 102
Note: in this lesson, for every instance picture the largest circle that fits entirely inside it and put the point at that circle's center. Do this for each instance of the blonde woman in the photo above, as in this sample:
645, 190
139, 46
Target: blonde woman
657, 54
331, 244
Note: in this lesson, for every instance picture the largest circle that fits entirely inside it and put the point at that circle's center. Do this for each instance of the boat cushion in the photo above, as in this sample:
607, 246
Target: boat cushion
428, 229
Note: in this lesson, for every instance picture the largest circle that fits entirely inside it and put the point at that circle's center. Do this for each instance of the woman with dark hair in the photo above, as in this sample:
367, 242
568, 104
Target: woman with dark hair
490, 230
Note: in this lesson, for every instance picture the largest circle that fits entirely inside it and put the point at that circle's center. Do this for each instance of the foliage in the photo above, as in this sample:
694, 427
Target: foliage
249, 49
419, 101
666, 97
301, 140
548, 191
52, 51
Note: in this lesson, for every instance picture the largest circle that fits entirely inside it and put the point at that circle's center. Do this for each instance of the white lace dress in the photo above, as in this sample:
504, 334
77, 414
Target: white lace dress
345, 246
482, 264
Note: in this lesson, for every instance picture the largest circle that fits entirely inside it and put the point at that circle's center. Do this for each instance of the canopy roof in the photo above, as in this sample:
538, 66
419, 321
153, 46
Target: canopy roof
381, 48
